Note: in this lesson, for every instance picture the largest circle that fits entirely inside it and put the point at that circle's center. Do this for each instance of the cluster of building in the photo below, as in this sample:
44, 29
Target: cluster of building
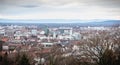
27, 38
36, 40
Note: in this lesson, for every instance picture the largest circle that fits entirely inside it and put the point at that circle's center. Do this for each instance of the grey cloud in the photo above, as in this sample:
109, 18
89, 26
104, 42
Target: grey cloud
109, 5
105, 3
30, 3
29, 6
19, 3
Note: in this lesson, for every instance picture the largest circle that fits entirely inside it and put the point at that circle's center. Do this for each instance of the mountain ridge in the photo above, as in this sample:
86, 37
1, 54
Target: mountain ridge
63, 21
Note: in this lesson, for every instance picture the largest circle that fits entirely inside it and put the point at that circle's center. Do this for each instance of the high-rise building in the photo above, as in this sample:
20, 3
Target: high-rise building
46, 31
65, 30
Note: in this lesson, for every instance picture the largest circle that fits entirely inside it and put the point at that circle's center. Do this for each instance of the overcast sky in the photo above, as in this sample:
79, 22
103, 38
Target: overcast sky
60, 9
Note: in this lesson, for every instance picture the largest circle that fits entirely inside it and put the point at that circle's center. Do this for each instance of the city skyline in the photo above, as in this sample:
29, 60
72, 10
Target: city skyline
60, 9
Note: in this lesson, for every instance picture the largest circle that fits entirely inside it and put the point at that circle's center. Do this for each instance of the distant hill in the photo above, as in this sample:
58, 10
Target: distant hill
104, 23
61, 22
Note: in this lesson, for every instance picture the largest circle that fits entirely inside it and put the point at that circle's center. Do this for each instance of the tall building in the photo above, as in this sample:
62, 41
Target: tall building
76, 36
65, 30
46, 31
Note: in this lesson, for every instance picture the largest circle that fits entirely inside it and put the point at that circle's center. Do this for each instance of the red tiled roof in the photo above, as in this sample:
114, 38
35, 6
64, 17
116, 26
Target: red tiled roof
5, 39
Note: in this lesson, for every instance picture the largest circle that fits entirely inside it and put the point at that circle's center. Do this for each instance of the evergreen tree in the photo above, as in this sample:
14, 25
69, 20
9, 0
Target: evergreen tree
5, 60
107, 58
24, 60
1, 43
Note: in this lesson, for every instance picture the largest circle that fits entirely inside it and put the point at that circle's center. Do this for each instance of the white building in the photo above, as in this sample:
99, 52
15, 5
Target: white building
47, 45
76, 36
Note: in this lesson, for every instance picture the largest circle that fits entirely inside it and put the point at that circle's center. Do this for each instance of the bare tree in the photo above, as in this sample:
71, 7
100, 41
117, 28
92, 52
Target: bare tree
101, 48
